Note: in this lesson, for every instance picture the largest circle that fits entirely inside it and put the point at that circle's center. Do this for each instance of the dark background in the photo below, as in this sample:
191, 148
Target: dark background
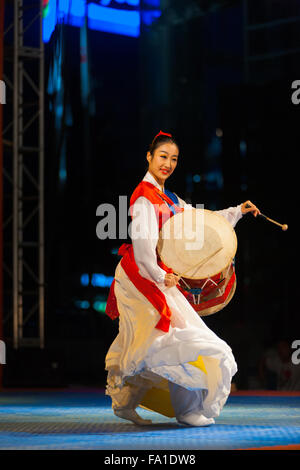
188, 74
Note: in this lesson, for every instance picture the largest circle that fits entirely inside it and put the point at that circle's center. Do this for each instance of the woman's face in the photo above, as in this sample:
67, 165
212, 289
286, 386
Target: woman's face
163, 162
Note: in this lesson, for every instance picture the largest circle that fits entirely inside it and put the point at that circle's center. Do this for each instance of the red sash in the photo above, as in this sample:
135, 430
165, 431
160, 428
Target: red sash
146, 287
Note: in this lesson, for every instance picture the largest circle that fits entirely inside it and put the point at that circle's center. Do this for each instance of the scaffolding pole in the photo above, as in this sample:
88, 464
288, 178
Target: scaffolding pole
1, 186
24, 146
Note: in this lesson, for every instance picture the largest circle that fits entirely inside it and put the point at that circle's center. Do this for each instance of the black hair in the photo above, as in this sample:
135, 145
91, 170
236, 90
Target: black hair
159, 140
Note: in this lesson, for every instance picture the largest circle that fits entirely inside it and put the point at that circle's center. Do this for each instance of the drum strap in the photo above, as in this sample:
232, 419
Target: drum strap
174, 199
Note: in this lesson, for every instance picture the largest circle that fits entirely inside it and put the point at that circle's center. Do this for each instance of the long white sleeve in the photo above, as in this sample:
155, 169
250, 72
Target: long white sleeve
144, 235
232, 214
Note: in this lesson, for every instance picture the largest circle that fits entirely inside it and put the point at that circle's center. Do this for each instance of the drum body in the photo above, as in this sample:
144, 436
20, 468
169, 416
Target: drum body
200, 246
210, 295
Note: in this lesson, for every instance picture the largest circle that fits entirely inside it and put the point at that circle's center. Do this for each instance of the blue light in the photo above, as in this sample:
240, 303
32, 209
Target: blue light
96, 280
100, 280
100, 16
63, 163
82, 304
84, 279
196, 178
99, 306
243, 148
78, 8
110, 20
134, 3
62, 174
150, 16
63, 7
49, 21
77, 12
152, 3
84, 67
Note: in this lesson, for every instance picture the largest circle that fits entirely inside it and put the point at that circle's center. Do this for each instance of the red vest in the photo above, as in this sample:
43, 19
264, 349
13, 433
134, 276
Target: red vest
148, 288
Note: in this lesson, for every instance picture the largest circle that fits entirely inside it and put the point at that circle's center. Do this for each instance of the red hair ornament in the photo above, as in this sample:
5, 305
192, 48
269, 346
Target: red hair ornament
161, 133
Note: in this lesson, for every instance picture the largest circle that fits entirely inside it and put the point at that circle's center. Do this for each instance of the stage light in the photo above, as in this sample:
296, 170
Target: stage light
62, 174
82, 304
196, 178
45, 8
100, 280
243, 148
99, 306
96, 280
84, 279
134, 3
152, 3
110, 20
49, 20
101, 16
149, 17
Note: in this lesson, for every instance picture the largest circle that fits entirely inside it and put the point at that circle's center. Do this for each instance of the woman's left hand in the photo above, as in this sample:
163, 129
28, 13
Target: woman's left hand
171, 279
248, 206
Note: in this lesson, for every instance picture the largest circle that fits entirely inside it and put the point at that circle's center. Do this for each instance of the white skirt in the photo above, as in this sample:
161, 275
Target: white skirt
147, 357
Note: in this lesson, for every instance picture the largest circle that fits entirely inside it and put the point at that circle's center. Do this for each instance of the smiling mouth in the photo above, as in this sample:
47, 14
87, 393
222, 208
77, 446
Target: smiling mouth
165, 171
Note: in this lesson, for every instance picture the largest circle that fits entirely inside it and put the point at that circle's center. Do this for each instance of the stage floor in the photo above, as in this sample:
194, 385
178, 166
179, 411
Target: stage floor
83, 419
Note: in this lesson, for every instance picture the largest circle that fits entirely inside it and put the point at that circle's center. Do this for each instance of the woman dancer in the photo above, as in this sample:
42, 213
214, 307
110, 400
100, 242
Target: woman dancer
164, 357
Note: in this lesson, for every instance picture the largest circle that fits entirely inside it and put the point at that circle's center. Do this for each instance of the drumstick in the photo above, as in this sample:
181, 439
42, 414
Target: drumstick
284, 227
203, 261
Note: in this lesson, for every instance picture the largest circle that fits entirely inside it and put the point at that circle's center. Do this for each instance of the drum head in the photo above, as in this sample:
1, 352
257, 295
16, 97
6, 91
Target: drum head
197, 243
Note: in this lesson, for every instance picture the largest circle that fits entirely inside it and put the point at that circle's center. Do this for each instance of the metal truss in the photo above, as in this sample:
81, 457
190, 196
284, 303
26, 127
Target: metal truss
23, 170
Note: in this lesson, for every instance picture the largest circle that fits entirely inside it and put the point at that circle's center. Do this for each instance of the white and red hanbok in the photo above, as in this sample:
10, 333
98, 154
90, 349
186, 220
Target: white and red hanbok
164, 357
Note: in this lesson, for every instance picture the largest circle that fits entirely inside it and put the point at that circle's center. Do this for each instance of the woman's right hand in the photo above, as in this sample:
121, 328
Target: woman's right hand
171, 279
